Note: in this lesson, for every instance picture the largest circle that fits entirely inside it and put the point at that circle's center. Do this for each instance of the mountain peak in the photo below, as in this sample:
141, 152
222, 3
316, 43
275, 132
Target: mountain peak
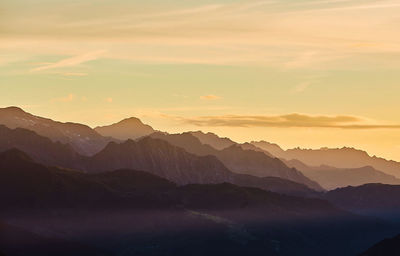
129, 128
131, 120
14, 109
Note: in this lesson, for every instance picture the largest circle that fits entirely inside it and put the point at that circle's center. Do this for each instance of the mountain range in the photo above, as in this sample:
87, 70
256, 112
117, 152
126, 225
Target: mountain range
238, 159
127, 189
317, 169
345, 157
331, 177
81, 137
153, 155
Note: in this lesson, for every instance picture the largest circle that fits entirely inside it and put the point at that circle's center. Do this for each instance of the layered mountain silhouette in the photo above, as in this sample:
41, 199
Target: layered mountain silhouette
82, 138
213, 140
389, 246
142, 214
55, 153
249, 146
331, 178
348, 158
272, 148
349, 166
161, 158
42, 149
26, 183
239, 160
168, 194
177, 168
130, 128
378, 200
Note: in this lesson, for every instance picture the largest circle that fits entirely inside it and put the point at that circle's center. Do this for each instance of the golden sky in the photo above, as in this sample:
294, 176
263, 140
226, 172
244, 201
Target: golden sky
306, 73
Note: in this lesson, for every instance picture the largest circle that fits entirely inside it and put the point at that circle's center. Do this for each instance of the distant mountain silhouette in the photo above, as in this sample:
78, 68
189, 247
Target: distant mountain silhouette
51, 153
162, 159
238, 160
335, 157
272, 148
387, 247
130, 128
25, 183
331, 178
175, 164
42, 149
81, 137
249, 146
378, 200
213, 140
229, 197
273, 184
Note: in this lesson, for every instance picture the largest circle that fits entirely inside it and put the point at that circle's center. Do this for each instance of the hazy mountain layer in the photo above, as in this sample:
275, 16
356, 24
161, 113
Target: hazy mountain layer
213, 140
239, 160
331, 178
47, 152
348, 158
378, 200
82, 138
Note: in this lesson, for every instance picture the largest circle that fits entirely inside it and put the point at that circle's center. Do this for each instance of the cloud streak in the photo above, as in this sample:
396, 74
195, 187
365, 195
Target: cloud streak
70, 97
71, 62
210, 97
286, 121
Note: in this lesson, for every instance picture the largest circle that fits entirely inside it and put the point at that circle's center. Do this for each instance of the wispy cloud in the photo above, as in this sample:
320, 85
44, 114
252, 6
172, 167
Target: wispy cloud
71, 62
286, 121
210, 97
301, 87
74, 74
70, 97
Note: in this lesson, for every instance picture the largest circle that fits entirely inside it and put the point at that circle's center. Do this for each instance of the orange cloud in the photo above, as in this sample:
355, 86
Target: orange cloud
286, 121
210, 97
70, 97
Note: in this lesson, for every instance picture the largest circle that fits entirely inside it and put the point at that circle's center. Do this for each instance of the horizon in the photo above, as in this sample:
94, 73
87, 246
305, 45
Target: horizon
248, 70
219, 135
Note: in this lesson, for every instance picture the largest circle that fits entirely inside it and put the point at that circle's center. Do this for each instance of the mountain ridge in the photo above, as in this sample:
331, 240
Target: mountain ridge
81, 137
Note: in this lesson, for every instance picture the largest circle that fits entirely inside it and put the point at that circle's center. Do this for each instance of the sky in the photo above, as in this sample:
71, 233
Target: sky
307, 73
